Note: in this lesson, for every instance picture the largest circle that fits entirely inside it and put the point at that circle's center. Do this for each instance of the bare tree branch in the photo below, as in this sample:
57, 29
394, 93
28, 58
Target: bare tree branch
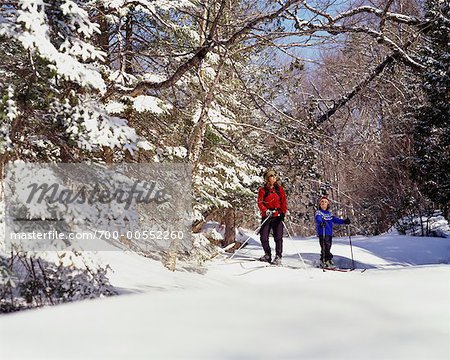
356, 89
207, 46
304, 28
396, 17
383, 15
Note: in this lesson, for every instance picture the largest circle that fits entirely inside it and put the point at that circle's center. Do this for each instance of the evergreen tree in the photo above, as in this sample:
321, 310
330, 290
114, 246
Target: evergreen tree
432, 135
51, 82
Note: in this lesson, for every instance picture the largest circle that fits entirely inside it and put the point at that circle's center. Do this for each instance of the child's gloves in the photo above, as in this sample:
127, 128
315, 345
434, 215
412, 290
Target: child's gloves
347, 221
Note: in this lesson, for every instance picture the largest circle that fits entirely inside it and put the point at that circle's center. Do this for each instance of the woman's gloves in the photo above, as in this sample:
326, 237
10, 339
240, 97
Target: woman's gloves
269, 213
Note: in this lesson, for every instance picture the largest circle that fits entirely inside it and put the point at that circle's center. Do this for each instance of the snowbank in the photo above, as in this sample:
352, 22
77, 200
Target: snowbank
240, 309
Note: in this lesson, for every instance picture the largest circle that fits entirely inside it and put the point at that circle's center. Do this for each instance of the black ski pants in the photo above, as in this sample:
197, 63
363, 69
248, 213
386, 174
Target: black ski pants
276, 225
325, 247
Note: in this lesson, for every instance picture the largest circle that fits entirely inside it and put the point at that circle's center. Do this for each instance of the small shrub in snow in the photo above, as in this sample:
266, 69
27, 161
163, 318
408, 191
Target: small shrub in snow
433, 224
30, 281
213, 236
203, 249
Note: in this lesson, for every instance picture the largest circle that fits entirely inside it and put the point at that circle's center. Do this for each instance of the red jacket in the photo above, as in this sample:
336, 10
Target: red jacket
272, 201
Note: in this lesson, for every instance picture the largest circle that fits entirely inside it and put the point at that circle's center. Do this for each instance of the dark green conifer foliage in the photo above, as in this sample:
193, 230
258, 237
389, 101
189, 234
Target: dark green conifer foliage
432, 127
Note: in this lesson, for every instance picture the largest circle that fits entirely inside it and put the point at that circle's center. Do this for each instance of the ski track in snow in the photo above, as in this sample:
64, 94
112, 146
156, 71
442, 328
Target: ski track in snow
396, 309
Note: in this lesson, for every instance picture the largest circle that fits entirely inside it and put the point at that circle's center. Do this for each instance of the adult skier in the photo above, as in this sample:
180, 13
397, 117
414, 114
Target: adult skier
272, 204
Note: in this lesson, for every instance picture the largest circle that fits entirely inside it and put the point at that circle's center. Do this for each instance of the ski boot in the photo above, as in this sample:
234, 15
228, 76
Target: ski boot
277, 261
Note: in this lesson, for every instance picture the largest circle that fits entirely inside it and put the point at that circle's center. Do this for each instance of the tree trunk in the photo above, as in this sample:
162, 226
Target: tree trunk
230, 226
128, 58
103, 37
197, 137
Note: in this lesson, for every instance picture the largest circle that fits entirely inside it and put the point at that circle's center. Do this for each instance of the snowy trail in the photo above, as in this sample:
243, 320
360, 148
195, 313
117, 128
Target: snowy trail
394, 310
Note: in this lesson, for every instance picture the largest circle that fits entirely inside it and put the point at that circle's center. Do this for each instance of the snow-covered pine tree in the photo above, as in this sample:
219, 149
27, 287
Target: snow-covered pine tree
50, 83
431, 132
54, 69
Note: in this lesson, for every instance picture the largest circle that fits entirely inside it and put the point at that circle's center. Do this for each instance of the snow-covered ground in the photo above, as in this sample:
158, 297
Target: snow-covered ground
399, 308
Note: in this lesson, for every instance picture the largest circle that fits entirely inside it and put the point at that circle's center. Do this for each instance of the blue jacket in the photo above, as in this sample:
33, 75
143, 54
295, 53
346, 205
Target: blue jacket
327, 217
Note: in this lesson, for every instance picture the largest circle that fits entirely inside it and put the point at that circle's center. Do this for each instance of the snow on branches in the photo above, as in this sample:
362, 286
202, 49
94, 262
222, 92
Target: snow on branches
62, 47
8, 112
92, 127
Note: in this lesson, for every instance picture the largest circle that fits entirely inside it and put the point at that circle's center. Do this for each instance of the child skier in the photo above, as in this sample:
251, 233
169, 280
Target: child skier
324, 223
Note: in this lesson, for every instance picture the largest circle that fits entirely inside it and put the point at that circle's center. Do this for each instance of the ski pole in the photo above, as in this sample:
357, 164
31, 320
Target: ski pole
296, 249
322, 246
351, 247
256, 232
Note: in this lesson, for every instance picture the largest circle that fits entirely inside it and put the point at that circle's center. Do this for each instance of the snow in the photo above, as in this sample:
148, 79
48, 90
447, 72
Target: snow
150, 103
32, 31
114, 107
5, 126
434, 224
91, 127
396, 309
151, 5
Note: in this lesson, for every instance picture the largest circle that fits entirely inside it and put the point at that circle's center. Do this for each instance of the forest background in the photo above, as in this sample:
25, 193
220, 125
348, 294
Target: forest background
349, 98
